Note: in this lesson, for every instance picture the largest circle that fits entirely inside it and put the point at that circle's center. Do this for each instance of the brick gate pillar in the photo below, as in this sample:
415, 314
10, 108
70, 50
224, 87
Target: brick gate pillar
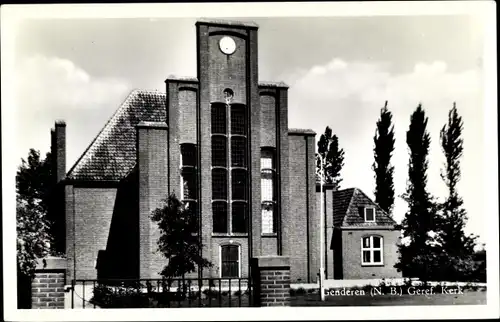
271, 279
47, 287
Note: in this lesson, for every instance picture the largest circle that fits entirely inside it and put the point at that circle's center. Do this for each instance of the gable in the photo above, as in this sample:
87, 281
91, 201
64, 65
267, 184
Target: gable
112, 154
354, 215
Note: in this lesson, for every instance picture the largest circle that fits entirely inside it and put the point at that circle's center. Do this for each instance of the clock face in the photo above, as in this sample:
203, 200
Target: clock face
227, 45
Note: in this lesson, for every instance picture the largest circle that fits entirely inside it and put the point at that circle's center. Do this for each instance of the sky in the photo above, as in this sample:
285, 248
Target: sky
340, 69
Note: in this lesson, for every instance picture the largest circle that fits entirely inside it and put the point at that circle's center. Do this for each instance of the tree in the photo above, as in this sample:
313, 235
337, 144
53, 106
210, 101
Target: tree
419, 250
458, 246
178, 241
384, 146
34, 180
33, 189
328, 149
33, 238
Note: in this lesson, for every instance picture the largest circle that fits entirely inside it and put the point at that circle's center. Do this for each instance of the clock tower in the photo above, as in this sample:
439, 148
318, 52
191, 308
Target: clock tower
230, 144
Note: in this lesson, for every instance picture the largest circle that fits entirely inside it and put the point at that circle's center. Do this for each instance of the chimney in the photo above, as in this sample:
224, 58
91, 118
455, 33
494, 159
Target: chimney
59, 149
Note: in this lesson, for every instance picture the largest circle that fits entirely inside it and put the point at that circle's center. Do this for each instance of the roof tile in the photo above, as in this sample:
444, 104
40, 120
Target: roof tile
112, 154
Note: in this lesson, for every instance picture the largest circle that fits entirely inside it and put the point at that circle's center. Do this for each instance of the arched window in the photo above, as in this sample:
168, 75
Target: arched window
230, 261
372, 250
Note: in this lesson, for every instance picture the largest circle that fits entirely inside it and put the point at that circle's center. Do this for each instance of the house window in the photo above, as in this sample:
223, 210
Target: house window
372, 250
219, 216
219, 119
238, 151
230, 261
267, 191
219, 151
239, 217
369, 214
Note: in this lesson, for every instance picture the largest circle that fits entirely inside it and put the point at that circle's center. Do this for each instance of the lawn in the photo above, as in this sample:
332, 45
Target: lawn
468, 298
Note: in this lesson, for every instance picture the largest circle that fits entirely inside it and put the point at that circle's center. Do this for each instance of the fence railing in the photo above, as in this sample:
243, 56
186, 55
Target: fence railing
158, 293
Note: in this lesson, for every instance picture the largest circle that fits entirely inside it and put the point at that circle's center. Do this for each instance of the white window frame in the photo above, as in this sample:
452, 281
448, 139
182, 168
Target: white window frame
372, 249
374, 214
239, 259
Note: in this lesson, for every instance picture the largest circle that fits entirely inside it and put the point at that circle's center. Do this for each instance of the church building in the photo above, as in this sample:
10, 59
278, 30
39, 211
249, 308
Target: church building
220, 142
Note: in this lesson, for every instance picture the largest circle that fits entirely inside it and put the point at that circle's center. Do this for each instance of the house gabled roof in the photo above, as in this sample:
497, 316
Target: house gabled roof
112, 154
348, 210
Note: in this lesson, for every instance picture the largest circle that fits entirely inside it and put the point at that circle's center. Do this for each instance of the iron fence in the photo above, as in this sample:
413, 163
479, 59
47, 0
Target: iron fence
161, 293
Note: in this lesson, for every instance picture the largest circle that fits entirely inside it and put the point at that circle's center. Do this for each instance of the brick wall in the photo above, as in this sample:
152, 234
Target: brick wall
272, 275
152, 161
47, 287
93, 215
351, 256
303, 220
268, 119
48, 290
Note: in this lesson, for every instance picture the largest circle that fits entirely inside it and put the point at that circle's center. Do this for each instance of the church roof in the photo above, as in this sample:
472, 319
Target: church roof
112, 154
348, 205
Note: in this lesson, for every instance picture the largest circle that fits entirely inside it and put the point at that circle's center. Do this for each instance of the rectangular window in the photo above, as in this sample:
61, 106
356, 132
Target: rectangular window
238, 120
192, 207
219, 120
239, 184
372, 250
188, 154
369, 214
219, 184
267, 185
219, 218
238, 151
266, 160
239, 217
188, 183
219, 151
268, 224
230, 261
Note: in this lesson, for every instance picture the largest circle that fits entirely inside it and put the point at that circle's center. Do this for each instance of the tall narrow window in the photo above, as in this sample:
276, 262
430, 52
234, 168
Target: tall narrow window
268, 191
219, 184
239, 184
238, 151
188, 188
219, 119
188, 154
239, 217
238, 120
230, 261
219, 151
219, 212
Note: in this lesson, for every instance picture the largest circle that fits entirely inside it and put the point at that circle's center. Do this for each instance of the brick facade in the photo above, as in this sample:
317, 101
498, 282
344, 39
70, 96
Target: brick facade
152, 142
272, 276
109, 194
47, 287
302, 225
351, 257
